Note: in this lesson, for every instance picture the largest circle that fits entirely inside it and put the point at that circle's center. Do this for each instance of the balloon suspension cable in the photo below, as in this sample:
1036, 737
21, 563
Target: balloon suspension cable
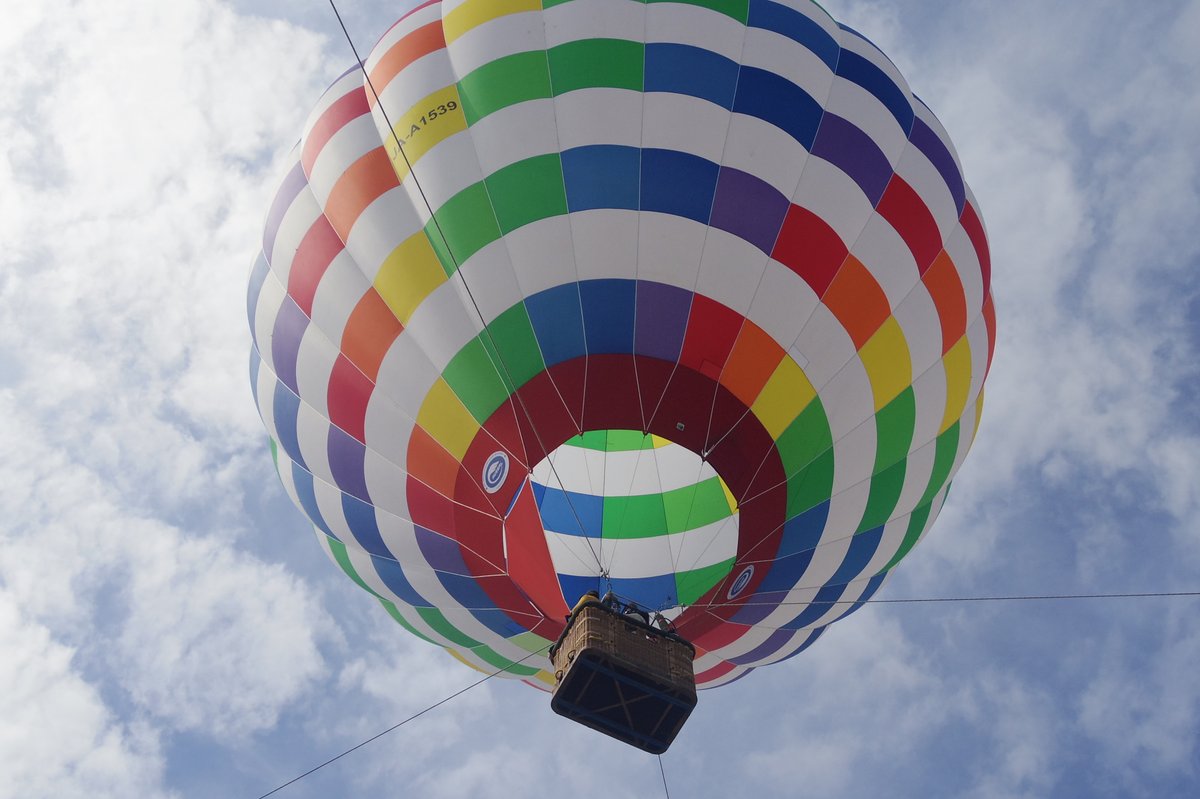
450, 252
416, 715
663, 772
920, 600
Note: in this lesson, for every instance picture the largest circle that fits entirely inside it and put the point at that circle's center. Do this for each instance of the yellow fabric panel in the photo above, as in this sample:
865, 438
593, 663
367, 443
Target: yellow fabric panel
886, 358
474, 13
957, 363
430, 121
408, 275
729, 497
446, 419
786, 393
464, 661
978, 412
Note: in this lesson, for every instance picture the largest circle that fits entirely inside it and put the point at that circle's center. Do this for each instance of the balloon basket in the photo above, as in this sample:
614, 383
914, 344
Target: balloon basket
623, 677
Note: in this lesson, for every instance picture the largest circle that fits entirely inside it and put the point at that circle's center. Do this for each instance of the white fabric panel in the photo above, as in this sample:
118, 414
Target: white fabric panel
848, 398
966, 263
444, 171
854, 456
920, 173
270, 299
791, 60
381, 228
685, 124
599, 116
537, 251
782, 303
669, 249
387, 429
695, 25
730, 268
864, 48
314, 363
514, 133
442, 326
496, 38
823, 347
978, 339
763, 150
411, 85
606, 243
829, 193
918, 317
293, 227
352, 141
862, 109
594, 19
887, 257
312, 433
917, 471
339, 291
489, 275
351, 82
385, 482
929, 388
406, 375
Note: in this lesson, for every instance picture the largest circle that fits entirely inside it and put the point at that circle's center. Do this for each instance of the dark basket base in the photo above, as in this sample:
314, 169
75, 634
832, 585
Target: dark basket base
631, 706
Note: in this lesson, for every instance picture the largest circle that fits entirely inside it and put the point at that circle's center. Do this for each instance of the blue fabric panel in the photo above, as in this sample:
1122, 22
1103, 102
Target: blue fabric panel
291, 187
601, 176
812, 639
678, 183
284, 407
557, 323
653, 593
393, 577
289, 328
786, 572
862, 549
574, 586
939, 155
346, 460
694, 71
558, 515
255, 365
303, 481
795, 26
857, 69
467, 592
608, 313
360, 517
258, 276
777, 100
802, 533
868, 592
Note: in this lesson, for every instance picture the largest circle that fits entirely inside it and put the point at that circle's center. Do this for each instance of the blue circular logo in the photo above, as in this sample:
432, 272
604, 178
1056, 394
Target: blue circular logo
739, 585
494, 471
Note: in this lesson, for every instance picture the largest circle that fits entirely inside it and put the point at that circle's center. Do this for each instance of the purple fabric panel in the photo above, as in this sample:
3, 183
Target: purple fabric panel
776, 641
849, 149
925, 140
442, 554
660, 320
288, 190
749, 208
290, 325
346, 455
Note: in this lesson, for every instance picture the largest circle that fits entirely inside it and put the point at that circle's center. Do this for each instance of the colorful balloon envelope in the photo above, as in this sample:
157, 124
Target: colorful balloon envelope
685, 300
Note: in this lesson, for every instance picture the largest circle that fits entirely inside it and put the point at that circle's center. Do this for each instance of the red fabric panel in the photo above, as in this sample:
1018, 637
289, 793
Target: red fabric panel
970, 223
529, 562
317, 250
904, 209
348, 394
809, 247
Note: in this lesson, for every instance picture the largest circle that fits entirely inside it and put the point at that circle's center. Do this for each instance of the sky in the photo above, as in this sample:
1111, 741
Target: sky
169, 627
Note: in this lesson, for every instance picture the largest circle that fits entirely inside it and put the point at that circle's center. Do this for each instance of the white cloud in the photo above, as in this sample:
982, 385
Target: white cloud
57, 738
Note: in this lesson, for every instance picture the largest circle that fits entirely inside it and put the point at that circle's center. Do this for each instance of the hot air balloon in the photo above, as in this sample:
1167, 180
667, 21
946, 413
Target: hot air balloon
683, 301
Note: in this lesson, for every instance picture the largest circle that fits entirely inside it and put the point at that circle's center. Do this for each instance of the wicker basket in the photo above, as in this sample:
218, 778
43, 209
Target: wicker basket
621, 676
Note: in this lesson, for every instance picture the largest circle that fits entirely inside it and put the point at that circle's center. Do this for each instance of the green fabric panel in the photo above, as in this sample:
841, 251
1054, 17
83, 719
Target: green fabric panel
805, 438
639, 516
885, 492
811, 486
612, 440
695, 505
894, 429
690, 586
468, 223
475, 379
439, 624
391, 608
527, 191
498, 661
587, 63
943, 461
506, 81
916, 523
738, 9
510, 339
530, 642
339, 554
274, 452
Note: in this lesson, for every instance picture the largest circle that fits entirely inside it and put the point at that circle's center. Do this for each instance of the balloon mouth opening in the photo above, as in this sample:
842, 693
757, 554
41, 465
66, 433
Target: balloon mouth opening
637, 514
